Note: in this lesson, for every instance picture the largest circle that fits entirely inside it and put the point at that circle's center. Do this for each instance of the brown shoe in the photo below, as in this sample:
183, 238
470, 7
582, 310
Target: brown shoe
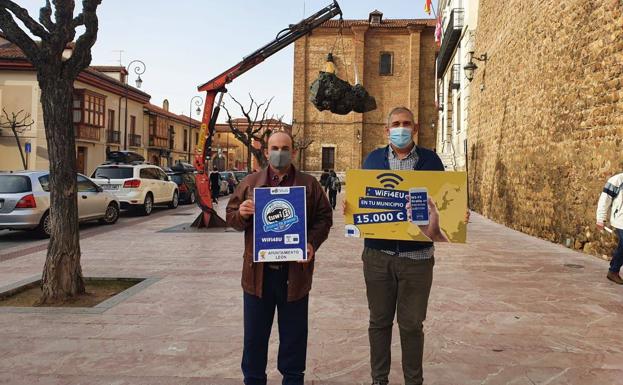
615, 277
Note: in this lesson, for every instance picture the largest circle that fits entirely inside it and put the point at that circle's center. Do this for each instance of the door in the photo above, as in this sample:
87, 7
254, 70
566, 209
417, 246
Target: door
91, 203
328, 158
81, 160
166, 188
148, 179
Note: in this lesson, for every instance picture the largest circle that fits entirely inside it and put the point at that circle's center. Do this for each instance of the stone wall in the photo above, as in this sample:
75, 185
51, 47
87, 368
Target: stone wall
546, 116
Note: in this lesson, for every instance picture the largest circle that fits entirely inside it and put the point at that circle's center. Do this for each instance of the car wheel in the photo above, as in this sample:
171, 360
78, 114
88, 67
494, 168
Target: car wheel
192, 198
44, 229
147, 206
111, 215
174, 201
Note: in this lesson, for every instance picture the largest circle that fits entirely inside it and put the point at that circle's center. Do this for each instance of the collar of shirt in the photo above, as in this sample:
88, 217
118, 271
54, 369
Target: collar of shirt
392, 153
286, 181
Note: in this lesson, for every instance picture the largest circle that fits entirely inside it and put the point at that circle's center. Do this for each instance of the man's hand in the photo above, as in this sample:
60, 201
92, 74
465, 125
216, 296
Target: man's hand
432, 229
600, 226
247, 209
310, 254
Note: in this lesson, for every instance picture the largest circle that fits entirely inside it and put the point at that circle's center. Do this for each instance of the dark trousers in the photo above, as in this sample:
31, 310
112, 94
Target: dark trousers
617, 257
333, 198
396, 285
258, 321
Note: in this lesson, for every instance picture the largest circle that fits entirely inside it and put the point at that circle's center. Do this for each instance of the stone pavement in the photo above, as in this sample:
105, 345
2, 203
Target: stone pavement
505, 308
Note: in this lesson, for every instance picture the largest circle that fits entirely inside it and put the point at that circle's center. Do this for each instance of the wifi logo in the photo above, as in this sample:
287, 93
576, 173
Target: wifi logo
389, 180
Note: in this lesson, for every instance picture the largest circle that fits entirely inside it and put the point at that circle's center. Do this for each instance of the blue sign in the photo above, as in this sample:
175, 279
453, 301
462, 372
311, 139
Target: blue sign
27, 147
380, 217
280, 226
382, 203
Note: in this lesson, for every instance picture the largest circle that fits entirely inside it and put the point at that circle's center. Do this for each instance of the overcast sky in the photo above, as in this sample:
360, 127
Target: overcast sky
185, 43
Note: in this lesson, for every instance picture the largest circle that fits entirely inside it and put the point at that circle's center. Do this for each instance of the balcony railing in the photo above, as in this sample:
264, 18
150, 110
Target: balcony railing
455, 81
135, 140
87, 132
158, 141
451, 37
113, 136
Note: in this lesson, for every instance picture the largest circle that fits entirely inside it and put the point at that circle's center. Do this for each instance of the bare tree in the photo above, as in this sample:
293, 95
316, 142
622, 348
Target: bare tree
255, 129
56, 29
301, 143
18, 125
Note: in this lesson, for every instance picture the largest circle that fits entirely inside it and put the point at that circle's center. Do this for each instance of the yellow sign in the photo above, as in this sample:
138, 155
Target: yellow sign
406, 205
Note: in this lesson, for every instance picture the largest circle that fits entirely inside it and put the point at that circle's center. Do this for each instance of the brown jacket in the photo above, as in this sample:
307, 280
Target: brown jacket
319, 222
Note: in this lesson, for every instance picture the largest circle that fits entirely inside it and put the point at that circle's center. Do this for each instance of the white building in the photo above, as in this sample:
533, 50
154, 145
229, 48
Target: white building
459, 19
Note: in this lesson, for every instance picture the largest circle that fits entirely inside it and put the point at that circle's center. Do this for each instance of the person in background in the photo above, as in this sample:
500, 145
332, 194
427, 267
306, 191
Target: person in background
323, 179
611, 200
334, 186
215, 184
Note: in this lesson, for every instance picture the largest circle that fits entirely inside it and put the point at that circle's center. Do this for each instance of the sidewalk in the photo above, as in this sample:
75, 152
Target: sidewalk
504, 309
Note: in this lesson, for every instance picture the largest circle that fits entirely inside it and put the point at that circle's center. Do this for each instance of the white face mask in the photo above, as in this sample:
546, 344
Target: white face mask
401, 137
280, 159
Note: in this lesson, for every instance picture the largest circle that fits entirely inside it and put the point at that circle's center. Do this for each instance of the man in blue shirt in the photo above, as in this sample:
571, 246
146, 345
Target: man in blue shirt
399, 274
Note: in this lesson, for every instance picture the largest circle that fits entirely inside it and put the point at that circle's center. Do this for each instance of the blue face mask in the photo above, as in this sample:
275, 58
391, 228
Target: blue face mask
401, 137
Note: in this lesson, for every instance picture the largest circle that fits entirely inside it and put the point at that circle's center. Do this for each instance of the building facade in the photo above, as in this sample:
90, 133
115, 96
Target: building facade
99, 110
171, 138
393, 59
459, 19
546, 116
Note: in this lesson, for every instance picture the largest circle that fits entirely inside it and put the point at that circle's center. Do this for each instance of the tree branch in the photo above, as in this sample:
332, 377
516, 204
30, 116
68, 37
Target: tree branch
17, 36
81, 55
22, 14
45, 16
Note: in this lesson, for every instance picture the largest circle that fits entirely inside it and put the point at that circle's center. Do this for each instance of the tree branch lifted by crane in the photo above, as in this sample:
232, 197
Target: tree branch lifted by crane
216, 87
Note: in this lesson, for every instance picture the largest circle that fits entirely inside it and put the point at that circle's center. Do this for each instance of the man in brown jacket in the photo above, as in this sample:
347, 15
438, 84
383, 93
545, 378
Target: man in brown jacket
282, 285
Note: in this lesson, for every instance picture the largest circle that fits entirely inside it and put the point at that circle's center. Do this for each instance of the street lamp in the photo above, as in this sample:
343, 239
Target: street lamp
198, 101
470, 67
139, 69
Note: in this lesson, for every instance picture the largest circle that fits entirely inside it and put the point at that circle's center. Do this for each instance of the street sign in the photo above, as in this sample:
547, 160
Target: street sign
27, 147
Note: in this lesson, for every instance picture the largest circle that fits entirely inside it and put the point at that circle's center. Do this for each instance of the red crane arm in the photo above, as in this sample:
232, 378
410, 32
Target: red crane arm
217, 85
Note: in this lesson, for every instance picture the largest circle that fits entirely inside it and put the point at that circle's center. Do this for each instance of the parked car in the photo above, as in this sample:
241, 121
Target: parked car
231, 180
183, 175
137, 186
25, 202
240, 175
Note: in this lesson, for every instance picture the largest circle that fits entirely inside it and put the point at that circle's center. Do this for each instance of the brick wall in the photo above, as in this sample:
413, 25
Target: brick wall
545, 132
411, 85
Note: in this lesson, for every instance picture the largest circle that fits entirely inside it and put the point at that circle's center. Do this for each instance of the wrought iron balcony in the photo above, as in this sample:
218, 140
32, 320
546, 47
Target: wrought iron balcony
113, 136
451, 37
135, 140
455, 81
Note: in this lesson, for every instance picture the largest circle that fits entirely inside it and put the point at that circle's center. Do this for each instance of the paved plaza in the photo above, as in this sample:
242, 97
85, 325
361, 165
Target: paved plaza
505, 308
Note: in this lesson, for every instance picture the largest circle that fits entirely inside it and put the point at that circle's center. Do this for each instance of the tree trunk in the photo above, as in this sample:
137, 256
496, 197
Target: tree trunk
62, 273
249, 163
19, 146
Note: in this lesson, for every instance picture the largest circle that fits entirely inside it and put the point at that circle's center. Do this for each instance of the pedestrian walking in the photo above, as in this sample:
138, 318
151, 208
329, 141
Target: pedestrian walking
334, 186
283, 286
323, 179
215, 184
611, 200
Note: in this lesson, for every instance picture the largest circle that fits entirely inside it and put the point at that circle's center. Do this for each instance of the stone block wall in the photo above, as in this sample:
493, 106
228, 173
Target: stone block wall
546, 116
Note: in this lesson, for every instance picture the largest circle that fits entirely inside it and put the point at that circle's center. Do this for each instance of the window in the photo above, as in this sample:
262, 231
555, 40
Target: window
132, 124
85, 185
88, 108
149, 173
113, 172
386, 63
196, 138
185, 139
328, 158
13, 184
111, 120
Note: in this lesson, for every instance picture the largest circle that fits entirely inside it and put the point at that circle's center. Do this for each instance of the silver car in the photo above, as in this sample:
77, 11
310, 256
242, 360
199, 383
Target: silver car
25, 202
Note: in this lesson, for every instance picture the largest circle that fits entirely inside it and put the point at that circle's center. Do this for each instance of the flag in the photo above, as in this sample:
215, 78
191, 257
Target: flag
427, 6
438, 31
